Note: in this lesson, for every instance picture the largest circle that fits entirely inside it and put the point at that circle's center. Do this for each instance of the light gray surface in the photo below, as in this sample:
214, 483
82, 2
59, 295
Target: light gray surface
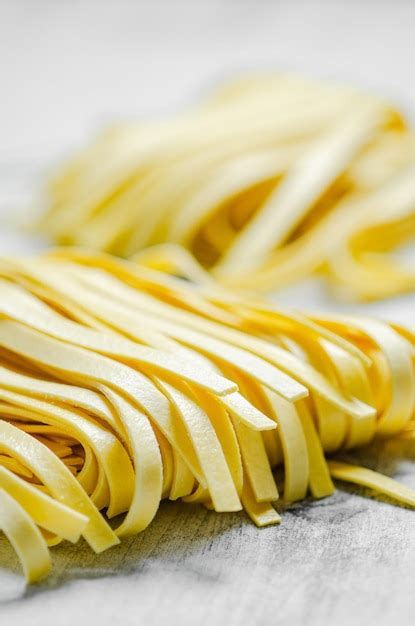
342, 560
66, 68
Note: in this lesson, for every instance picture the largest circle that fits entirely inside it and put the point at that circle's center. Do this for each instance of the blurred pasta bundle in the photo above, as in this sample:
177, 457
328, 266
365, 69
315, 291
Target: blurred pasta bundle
269, 180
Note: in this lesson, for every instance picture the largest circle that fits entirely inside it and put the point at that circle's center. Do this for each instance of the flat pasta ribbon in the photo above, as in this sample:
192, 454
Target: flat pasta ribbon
121, 385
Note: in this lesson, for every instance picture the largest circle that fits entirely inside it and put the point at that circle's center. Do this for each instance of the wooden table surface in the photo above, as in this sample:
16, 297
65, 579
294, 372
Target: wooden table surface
66, 68
342, 560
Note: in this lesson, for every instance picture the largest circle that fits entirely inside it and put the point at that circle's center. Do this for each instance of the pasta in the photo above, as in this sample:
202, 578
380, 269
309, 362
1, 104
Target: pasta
121, 385
271, 179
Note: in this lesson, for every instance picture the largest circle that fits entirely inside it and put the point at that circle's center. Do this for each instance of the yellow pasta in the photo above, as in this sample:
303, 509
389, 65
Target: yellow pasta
121, 385
271, 179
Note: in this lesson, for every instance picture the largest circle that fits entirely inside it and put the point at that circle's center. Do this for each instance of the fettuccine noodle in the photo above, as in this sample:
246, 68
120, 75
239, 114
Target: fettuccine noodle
271, 179
121, 385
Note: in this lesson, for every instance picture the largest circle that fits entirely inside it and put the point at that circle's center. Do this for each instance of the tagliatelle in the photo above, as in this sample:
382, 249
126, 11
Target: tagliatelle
121, 385
25, 537
271, 179
46, 512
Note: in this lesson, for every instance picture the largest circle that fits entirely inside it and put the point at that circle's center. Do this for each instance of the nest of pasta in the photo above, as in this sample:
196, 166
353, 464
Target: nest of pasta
269, 180
121, 385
